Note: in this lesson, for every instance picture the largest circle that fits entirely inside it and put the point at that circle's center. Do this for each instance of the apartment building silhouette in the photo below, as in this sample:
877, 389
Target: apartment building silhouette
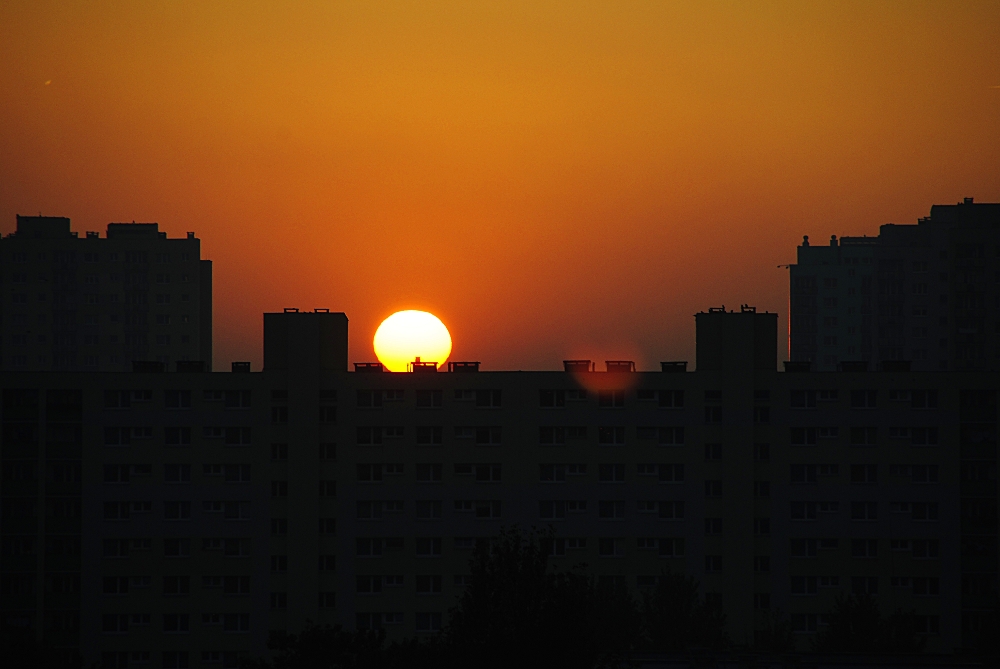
97, 303
175, 517
927, 293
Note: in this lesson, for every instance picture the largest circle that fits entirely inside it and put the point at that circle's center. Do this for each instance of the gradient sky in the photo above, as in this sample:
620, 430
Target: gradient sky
552, 179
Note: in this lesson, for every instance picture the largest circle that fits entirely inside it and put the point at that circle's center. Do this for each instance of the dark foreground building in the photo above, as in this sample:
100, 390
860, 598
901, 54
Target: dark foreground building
172, 518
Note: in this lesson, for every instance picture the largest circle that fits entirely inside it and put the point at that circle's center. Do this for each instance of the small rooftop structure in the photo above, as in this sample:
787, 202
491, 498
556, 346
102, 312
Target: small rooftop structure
419, 367
368, 367
578, 366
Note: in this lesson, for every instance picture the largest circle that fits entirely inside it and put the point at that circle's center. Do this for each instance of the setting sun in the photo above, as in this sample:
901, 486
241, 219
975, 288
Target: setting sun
410, 335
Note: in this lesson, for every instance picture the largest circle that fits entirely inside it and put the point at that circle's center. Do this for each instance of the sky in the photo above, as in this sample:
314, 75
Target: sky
552, 179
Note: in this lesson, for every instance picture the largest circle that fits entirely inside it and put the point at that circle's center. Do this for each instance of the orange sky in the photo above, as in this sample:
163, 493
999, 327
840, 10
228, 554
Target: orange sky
552, 179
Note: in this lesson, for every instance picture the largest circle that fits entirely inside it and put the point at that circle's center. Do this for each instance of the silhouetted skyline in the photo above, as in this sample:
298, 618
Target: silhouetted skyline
552, 180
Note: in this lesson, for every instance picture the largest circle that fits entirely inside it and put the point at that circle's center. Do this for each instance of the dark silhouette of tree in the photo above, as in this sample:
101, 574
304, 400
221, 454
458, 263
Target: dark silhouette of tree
855, 625
518, 611
677, 617
322, 647
774, 633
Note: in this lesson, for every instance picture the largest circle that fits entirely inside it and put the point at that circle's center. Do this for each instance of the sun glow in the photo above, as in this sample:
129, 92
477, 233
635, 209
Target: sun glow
410, 335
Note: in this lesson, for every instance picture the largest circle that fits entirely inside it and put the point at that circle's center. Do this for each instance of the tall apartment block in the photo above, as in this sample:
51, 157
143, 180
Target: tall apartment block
97, 303
832, 302
932, 297
173, 518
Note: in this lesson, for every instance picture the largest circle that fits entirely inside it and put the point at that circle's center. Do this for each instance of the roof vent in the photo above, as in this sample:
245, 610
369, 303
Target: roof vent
241, 367
463, 366
148, 366
797, 365
853, 365
191, 366
368, 367
678, 366
619, 366
894, 365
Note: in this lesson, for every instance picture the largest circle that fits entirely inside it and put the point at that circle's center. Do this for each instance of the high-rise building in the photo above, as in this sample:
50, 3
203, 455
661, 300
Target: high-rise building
97, 303
831, 302
928, 294
173, 519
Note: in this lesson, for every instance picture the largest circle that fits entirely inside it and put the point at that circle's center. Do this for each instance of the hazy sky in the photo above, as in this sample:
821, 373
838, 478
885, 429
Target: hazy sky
552, 179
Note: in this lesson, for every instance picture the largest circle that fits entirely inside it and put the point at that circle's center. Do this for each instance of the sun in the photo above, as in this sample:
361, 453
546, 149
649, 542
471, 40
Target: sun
408, 335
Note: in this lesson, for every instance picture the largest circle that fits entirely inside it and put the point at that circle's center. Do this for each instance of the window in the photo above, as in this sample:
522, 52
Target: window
864, 511
177, 399
611, 435
667, 436
428, 584
666, 473
923, 399
864, 548
429, 434
487, 473
863, 399
428, 622
279, 415
327, 488
611, 509
713, 488
328, 526
713, 414
236, 436
811, 510
429, 399
713, 563
863, 436
428, 547
279, 452
802, 399
762, 489
279, 527
180, 510
428, 509
609, 547
551, 398
608, 399
237, 399
428, 472
802, 436
176, 473
236, 622
762, 563
713, 451
486, 436
488, 399
327, 562
176, 547
864, 474
279, 488
611, 473
369, 472
713, 526
762, 452
670, 399
328, 416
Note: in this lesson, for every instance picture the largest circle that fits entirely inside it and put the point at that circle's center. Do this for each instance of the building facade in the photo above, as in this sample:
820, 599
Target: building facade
97, 303
175, 518
927, 293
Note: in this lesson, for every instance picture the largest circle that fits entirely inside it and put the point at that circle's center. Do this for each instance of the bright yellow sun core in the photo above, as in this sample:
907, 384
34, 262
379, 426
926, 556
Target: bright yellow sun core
408, 335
